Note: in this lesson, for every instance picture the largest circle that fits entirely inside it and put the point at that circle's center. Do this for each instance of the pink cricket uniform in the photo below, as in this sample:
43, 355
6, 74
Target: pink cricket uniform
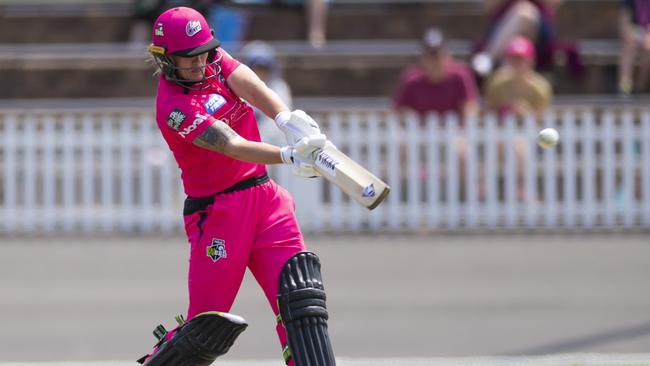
254, 227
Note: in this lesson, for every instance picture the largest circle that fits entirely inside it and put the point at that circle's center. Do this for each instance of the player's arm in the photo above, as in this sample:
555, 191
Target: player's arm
246, 84
295, 125
221, 138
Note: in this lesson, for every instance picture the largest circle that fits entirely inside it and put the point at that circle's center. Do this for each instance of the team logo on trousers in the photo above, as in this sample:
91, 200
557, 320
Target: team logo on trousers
217, 249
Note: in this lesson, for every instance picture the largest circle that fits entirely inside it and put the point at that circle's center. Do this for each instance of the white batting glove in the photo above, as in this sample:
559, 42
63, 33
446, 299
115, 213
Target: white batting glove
296, 125
303, 155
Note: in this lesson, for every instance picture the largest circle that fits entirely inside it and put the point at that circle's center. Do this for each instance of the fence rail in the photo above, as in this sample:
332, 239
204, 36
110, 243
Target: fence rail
108, 170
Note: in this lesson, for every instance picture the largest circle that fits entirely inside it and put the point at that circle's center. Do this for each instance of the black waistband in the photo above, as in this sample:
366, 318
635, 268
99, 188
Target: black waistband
194, 204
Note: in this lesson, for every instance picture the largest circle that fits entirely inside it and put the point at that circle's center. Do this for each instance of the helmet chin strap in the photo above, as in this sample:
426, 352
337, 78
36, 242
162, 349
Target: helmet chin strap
213, 68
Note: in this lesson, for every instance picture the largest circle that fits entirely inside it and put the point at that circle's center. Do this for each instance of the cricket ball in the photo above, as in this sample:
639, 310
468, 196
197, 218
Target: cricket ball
548, 137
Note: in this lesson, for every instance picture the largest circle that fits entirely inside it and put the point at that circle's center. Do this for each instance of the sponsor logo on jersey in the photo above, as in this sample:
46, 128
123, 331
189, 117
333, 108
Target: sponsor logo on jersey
214, 103
368, 191
159, 30
217, 249
175, 119
193, 27
327, 163
197, 121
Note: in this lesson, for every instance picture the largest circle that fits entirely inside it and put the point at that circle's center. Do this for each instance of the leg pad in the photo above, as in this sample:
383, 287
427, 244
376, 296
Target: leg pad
303, 313
197, 342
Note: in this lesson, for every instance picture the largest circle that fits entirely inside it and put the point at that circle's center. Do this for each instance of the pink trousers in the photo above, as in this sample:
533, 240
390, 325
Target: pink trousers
254, 228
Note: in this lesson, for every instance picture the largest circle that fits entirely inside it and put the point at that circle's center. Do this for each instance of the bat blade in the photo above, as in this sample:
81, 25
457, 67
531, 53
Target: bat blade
352, 178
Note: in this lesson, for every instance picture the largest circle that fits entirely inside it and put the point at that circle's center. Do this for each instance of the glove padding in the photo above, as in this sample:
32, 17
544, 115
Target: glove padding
303, 155
296, 125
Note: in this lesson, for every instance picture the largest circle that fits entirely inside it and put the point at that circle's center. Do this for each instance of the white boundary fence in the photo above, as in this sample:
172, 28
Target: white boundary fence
108, 170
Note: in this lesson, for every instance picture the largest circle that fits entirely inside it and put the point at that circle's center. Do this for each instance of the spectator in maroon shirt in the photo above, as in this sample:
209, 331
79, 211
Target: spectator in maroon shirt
438, 83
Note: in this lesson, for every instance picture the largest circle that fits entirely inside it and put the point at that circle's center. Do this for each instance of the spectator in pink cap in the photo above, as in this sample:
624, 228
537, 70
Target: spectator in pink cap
516, 87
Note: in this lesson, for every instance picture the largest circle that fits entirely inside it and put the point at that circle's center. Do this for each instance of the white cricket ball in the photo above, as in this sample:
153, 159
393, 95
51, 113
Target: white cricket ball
548, 137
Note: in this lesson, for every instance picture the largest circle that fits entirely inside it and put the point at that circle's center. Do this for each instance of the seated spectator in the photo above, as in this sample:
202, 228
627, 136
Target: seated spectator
516, 87
438, 83
144, 14
634, 21
532, 19
260, 57
315, 15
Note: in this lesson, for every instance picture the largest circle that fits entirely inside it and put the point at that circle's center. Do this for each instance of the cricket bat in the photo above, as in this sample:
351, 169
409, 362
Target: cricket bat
353, 179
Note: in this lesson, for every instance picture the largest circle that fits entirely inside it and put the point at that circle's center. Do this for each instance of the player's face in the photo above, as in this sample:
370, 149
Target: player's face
191, 68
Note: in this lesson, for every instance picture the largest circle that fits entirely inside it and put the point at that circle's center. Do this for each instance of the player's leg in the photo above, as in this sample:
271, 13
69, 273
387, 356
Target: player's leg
291, 280
197, 342
220, 237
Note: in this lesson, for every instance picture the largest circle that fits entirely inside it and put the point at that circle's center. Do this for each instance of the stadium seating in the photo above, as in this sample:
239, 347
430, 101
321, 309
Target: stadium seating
82, 50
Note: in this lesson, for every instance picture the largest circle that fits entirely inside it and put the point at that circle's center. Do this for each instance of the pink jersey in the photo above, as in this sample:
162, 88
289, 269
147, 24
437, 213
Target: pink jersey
184, 114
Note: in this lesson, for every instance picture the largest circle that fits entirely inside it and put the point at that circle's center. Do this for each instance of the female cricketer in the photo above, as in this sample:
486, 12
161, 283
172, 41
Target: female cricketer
235, 216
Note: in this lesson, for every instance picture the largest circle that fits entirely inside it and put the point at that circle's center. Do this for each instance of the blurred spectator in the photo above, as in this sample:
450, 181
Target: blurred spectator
516, 87
261, 58
634, 21
315, 15
144, 14
438, 83
229, 22
510, 18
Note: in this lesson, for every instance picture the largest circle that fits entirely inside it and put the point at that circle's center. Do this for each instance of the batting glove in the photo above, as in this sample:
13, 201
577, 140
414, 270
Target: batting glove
296, 125
303, 155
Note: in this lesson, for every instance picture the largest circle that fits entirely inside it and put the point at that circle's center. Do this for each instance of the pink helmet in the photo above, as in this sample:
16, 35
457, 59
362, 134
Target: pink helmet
184, 32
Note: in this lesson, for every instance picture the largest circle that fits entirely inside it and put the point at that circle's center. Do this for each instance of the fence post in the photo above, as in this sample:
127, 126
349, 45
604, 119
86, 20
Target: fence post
472, 183
393, 141
491, 175
433, 170
145, 216
87, 173
10, 172
510, 171
49, 209
568, 159
626, 191
607, 138
645, 167
69, 138
413, 176
126, 131
530, 172
550, 177
588, 151
107, 215
29, 147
